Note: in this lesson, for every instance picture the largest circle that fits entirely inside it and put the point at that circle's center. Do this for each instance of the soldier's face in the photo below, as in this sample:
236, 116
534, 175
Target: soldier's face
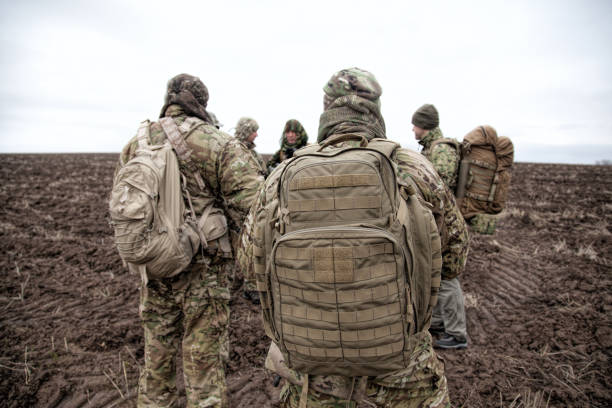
418, 132
291, 137
252, 137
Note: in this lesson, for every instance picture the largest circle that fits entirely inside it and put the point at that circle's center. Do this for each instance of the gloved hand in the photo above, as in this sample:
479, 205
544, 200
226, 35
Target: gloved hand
251, 295
289, 152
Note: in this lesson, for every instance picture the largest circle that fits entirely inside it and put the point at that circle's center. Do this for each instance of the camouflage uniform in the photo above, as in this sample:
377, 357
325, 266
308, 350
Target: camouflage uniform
245, 128
193, 307
449, 313
423, 383
444, 157
282, 154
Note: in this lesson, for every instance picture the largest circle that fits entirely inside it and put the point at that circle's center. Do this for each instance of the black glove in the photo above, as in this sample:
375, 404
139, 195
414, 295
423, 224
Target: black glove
251, 295
276, 380
289, 152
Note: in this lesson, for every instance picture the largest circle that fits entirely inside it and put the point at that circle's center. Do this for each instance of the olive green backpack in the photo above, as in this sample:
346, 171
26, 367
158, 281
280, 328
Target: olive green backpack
344, 259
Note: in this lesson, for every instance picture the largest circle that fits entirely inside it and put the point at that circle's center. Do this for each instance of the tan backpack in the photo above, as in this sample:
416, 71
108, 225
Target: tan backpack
484, 173
345, 260
152, 228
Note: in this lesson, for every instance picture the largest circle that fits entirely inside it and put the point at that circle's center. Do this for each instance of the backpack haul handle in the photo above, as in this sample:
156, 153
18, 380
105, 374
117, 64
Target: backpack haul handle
342, 138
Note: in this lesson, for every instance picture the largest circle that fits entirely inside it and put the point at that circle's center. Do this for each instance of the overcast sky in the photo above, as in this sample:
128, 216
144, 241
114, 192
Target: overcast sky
79, 76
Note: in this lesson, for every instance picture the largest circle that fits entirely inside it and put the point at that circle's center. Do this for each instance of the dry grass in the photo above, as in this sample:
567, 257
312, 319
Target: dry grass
529, 399
471, 300
587, 252
560, 246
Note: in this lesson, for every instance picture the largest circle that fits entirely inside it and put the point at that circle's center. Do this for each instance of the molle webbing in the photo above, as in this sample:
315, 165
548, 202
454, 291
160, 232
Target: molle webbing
335, 252
342, 180
340, 302
340, 203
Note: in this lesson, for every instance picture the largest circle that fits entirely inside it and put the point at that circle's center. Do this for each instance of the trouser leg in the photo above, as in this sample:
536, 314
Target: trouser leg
205, 341
451, 309
161, 320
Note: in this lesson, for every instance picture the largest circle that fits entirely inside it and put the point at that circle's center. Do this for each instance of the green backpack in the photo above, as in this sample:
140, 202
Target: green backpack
345, 260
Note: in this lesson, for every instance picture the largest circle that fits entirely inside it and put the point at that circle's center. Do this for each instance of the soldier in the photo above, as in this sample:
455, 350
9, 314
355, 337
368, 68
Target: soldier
246, 132
352, 106
294, 137
192, 309
449, 314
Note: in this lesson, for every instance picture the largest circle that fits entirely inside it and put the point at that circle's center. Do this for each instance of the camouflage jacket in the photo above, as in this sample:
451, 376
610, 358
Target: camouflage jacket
451, 225
250, 146
443, 156
231, 175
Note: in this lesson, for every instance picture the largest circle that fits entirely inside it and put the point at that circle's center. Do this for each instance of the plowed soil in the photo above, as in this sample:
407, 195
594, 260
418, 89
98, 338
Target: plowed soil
538, 295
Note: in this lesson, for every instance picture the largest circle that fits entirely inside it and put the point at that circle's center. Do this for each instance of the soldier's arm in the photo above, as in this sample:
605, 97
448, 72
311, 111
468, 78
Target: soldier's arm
244, 253
445, 161
239, 180
454, 254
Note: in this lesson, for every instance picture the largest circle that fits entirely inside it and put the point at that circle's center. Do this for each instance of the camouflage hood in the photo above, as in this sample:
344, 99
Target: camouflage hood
190, 93
352, 105
245, 127
302, 137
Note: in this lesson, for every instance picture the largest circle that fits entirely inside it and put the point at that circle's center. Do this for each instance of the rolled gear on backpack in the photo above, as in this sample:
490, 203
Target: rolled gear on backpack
484, 172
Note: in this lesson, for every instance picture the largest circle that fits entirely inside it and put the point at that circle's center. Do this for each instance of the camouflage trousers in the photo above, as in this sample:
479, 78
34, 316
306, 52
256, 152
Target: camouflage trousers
190, 310
421, 385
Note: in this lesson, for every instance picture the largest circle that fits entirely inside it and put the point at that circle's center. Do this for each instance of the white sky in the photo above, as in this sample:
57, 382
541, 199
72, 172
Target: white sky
79, 76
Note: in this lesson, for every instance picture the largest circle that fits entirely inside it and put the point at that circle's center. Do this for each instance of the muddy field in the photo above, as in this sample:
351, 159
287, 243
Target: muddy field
538, 295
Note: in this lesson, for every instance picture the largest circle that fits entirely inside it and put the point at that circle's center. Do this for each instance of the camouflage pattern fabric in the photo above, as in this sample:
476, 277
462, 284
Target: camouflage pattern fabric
197, 302
286, 148
352, 105
452, 226
484, 223
245, 128
223, 162
423, 384
196, 299
244, 254
443, 156
353, 81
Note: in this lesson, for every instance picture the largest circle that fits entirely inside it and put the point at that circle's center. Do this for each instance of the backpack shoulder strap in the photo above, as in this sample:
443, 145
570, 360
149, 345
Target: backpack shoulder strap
383, 146
445, 140
180, 146
176, 139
